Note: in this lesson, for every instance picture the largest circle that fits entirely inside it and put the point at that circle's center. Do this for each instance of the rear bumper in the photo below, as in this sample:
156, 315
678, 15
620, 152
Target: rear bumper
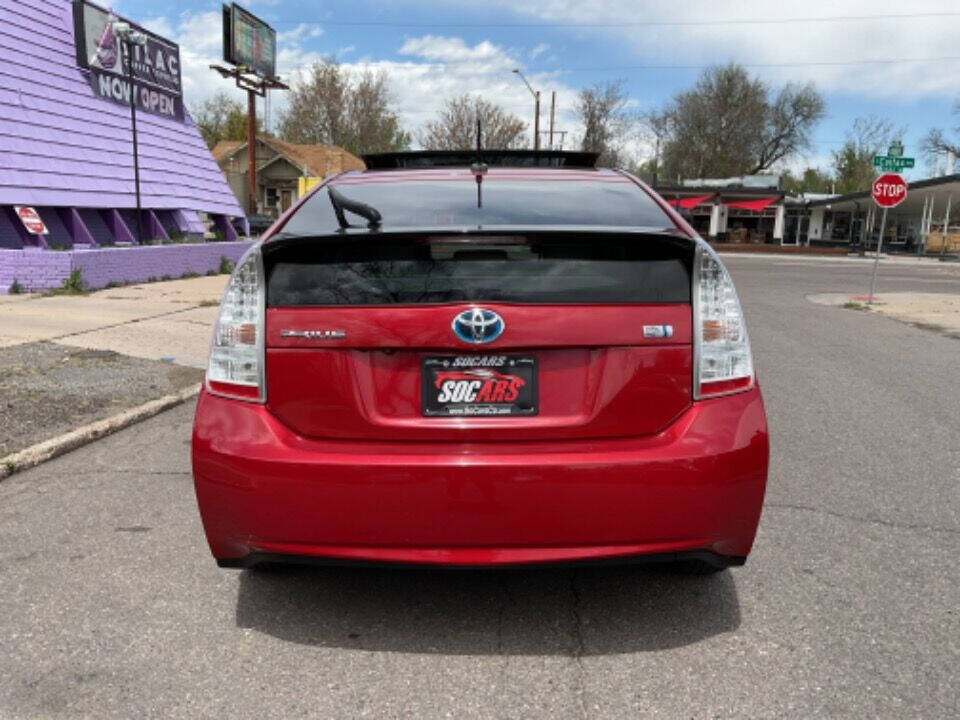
266, 493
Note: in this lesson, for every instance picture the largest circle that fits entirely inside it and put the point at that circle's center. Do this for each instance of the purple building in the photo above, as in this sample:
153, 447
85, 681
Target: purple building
66, 152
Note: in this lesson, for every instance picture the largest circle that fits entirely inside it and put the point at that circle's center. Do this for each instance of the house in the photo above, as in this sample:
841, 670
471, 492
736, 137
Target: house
280, 168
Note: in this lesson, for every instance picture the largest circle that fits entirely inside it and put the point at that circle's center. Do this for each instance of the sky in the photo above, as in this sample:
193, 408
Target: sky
886, 58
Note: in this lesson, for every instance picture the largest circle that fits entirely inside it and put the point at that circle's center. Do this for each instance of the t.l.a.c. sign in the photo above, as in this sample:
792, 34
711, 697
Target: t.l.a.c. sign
154, 66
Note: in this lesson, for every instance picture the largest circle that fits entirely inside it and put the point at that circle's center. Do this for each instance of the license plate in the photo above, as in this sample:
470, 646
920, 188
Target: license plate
479, 385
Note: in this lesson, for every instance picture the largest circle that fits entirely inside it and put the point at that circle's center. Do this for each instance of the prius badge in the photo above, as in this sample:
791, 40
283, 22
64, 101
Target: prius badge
478, 326
314, 334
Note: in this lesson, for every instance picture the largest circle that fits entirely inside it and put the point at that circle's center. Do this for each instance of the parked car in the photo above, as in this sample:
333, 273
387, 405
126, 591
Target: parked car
447, 363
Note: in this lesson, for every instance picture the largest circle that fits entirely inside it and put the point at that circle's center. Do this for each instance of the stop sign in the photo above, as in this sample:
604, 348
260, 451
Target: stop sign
889, 190
31, 220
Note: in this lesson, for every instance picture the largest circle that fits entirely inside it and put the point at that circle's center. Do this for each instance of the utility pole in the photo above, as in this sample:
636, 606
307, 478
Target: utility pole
251, 151
536, 101
553, 114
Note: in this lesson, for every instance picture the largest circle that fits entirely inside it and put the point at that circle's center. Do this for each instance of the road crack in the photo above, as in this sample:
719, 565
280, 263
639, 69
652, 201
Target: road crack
865, 520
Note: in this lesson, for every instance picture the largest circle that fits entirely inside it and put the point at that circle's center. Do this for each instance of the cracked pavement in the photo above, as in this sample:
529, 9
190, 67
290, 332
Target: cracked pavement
110, 606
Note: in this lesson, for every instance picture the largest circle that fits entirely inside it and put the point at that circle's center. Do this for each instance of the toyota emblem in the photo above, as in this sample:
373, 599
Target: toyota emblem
478, 326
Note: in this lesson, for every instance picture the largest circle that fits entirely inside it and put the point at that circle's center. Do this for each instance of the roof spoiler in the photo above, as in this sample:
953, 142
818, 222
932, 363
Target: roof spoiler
492, 158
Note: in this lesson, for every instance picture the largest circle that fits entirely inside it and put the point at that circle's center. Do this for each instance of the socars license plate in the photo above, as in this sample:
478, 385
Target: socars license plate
479, 385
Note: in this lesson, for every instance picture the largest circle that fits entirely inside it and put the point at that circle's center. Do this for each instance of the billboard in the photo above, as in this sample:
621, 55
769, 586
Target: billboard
155, 67
249, 42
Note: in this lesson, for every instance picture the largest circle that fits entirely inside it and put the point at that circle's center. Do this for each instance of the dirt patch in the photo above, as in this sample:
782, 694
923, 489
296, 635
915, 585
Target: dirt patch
48, 389
939, 312
933, 311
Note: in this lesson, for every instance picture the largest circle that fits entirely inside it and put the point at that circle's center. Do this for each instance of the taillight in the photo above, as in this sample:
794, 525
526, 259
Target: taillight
236, 362
723, 363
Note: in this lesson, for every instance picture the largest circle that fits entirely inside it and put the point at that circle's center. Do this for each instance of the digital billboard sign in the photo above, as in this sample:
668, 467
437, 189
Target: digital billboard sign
249, 42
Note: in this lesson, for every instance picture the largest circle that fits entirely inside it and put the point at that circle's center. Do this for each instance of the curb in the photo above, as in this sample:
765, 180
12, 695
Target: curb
49, 449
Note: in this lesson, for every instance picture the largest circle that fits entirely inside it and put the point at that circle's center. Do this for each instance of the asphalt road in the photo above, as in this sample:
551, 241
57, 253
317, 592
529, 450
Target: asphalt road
849, 607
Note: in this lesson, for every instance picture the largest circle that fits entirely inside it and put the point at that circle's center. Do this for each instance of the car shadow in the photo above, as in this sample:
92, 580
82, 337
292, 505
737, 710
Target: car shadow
592, 610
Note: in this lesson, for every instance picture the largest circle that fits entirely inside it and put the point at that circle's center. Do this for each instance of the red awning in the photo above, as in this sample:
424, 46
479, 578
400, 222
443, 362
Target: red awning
689, 203
755, 205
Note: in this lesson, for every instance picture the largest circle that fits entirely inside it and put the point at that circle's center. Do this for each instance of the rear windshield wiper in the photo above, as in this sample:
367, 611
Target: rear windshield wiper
341, 202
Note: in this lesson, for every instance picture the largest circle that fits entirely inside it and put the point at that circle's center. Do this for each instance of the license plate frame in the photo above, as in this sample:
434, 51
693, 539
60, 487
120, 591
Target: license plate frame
479, 386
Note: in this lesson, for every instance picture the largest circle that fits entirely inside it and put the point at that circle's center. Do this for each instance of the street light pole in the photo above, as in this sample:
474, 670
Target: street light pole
536, 117
128, 36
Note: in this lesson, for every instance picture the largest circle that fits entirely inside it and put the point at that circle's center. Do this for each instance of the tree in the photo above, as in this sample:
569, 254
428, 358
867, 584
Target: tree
335, 106
456, 127
222, 118
813, 180
853, 162
730, 124
656, 126
602, 111
937, 143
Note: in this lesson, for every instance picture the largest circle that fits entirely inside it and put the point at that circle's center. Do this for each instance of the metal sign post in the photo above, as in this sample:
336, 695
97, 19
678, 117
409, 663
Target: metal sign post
888, 191
250, 47
876, 259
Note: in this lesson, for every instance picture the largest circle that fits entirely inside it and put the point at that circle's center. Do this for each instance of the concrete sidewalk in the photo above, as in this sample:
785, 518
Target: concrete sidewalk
170, 321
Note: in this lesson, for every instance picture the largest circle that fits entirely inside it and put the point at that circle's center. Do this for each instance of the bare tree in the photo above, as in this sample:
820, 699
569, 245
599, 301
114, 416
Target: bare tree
790, 119
937, 143
335, 106
606, 122
655, 127
853, 163
456, 127
221, 118
728, 124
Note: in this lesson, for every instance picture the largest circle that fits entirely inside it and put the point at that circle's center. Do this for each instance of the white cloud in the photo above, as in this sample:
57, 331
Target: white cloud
437, 68
159, 25
303, 31
538, 51
702, 32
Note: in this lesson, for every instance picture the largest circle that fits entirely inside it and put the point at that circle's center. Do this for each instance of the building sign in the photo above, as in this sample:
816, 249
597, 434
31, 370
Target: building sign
155, 66
249, 42
31, 220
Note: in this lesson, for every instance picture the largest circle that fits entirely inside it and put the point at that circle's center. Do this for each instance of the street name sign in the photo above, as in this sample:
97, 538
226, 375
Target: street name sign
889, 190
892, 163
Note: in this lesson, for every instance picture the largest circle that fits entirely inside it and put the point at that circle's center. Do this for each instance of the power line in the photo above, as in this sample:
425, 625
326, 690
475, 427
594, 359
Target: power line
410, 65
641, 23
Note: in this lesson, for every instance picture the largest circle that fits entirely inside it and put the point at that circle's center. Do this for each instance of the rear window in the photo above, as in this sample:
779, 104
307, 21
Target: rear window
453, 203
582, 269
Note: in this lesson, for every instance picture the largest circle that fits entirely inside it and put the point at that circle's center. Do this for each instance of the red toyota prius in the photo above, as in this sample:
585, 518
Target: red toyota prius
518, 358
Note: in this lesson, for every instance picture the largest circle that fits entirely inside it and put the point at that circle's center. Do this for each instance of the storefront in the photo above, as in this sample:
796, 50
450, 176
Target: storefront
731, 214
68, 178
925, 222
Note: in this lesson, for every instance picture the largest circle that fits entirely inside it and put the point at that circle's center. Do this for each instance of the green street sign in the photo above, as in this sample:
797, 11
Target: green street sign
896, 149
892, 163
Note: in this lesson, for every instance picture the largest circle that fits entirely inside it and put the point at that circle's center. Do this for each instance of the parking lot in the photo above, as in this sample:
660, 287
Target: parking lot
110, 605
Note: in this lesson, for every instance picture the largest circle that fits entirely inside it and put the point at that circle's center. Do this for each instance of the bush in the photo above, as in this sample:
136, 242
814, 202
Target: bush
74, 284
15, 287
226, 267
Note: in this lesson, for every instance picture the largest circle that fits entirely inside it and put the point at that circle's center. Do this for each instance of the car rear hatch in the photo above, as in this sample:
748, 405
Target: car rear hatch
479, 336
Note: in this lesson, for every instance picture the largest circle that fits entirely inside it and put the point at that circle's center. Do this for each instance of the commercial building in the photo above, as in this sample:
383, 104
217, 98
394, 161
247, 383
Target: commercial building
754, 210
746, 209
924, 222
67, 171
